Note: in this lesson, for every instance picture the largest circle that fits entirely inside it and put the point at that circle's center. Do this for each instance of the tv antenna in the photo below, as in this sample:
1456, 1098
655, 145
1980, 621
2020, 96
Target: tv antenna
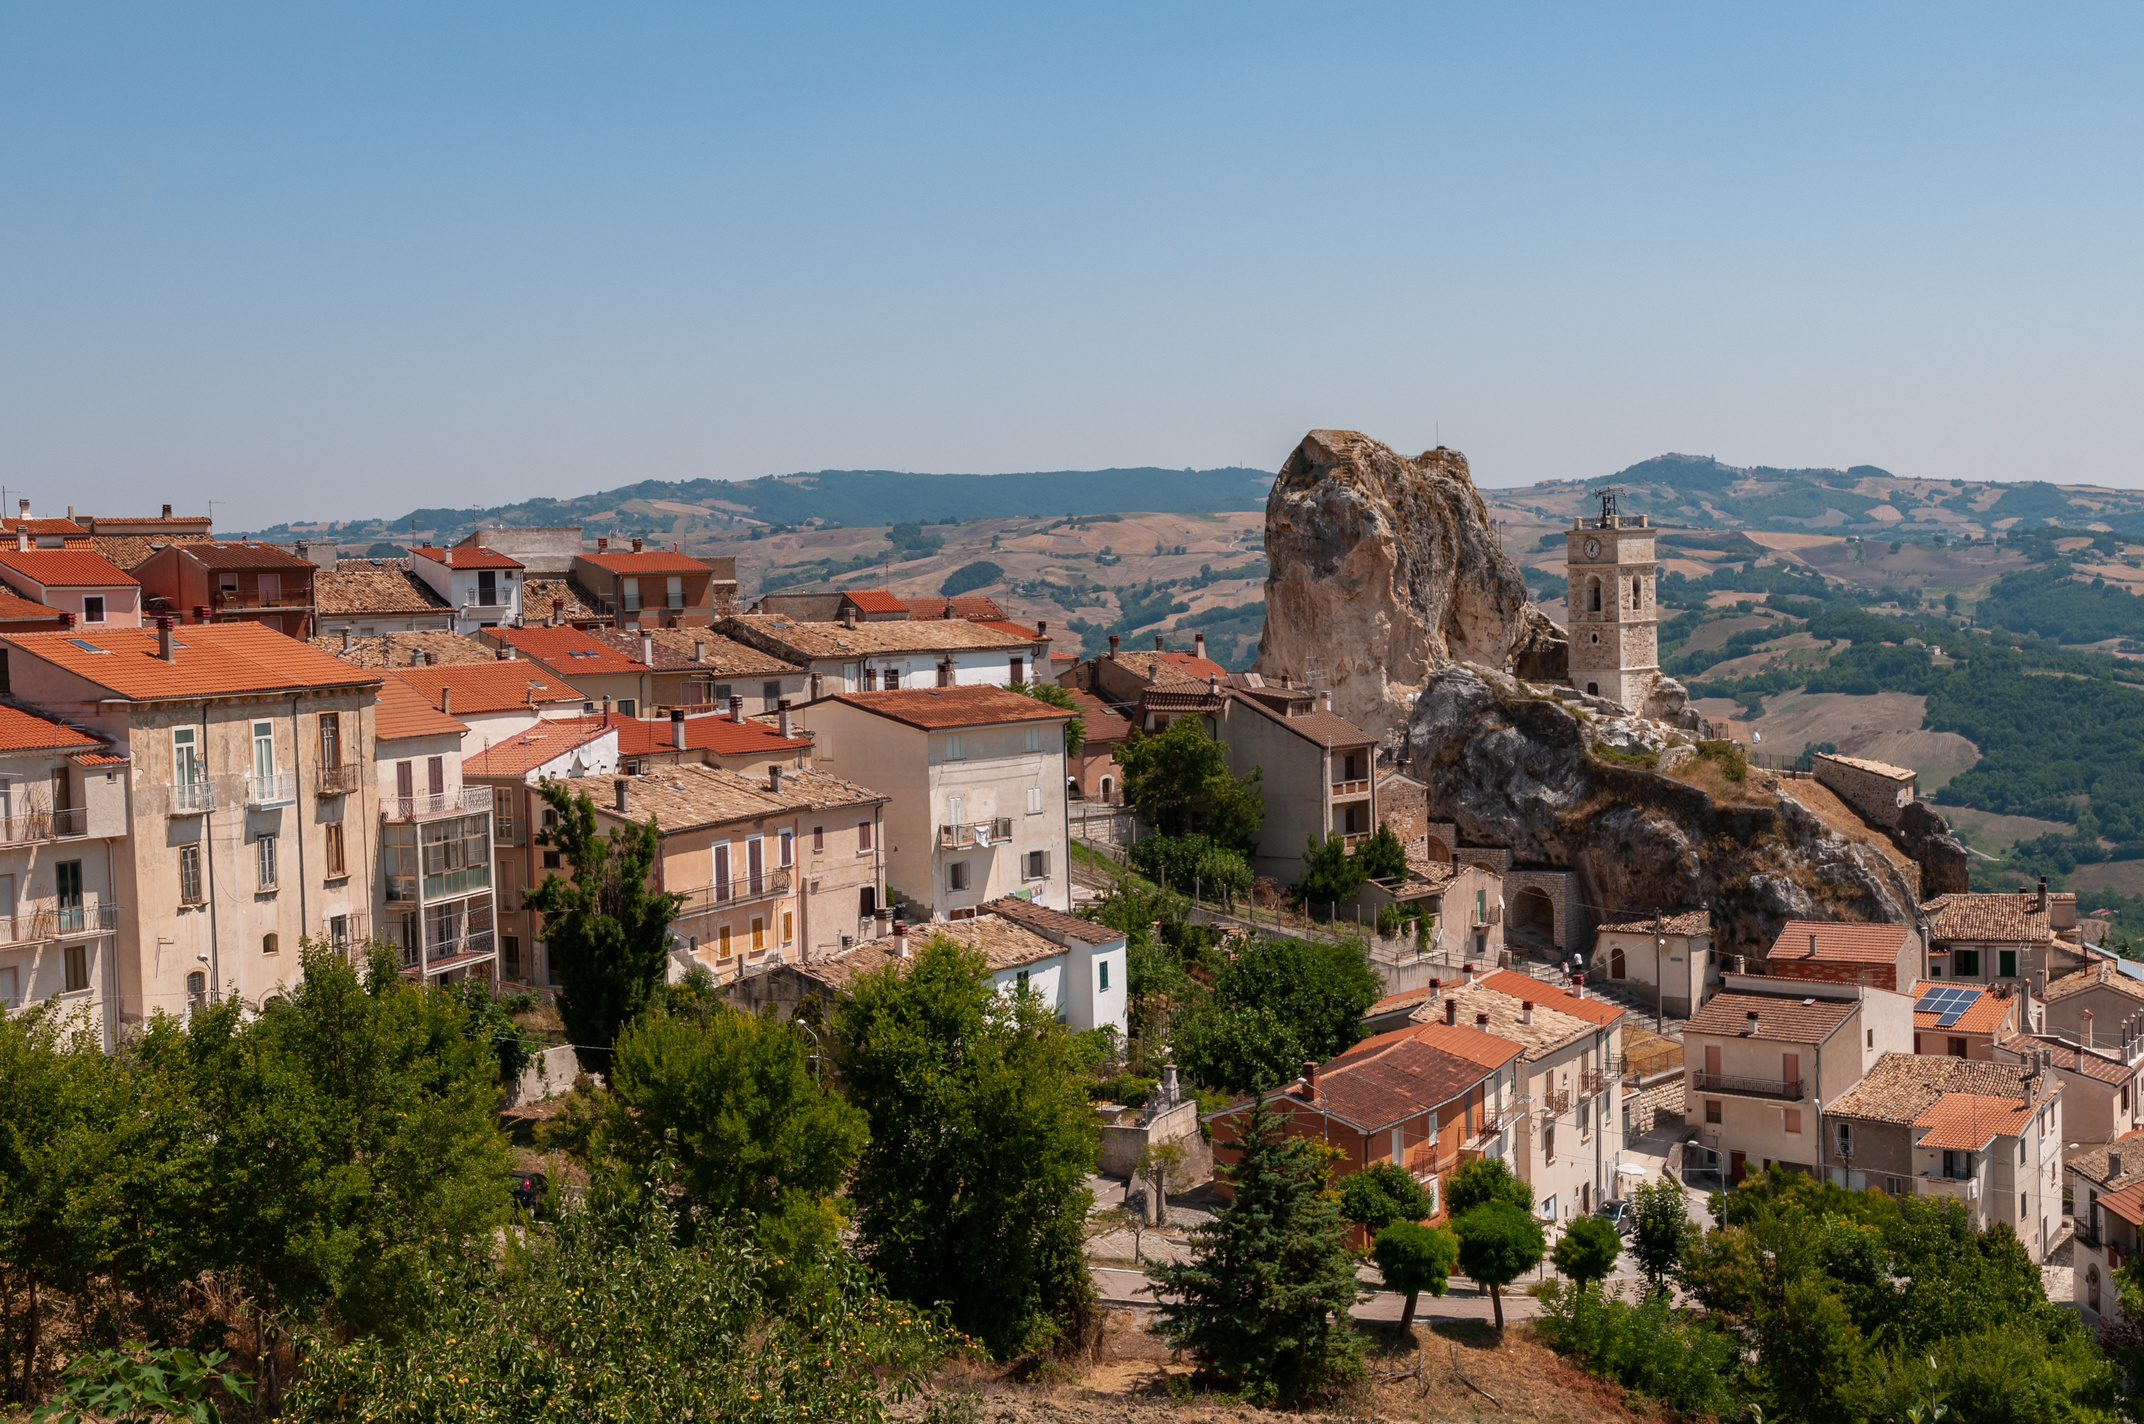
1608, 494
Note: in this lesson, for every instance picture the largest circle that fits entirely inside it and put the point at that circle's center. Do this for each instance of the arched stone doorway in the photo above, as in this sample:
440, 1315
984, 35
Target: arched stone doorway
1533, 912
1616, 968
1436, 850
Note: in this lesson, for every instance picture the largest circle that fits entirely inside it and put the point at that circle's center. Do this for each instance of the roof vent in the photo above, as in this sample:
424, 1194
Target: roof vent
446, 700
1451, 1011
1749, 1026
2114, 1163
636, 543
737, 710
774, 777
617, 788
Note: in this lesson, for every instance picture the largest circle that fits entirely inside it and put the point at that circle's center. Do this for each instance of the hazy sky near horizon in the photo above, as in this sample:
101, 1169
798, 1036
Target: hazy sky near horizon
316, 261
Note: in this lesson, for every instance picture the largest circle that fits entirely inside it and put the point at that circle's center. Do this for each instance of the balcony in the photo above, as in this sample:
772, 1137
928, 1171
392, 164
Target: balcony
338, 780
1787, 1090
449, 883
1350, 788
1492, 1122
43, 826
1356, 838
277, 789
54, 923
346, 931
1958, 1189
1592, 1083
446, 803
740, 890
192, 798
630, 603
1556, 1101
235, 600
675, 602
1488, 915
981, 833
441, 955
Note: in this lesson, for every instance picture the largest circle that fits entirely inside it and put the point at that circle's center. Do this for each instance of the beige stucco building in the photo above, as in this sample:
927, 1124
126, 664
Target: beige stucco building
1664, 956
435, 902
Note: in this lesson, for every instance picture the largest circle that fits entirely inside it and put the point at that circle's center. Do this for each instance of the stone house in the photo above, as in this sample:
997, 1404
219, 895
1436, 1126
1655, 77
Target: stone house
896, 654
2101, 1087
656, 588
1987, 1135
2106, 1191
1463, 902
1424, 1098
1764, 1055
1667, 955
1876, 790
2013, 938
1403, 805
1829, 951
77, 582
1961, 1021
394, 650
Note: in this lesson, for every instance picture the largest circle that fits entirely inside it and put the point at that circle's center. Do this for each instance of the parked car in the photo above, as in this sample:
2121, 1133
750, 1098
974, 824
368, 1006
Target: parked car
1616, 1213
527, 1189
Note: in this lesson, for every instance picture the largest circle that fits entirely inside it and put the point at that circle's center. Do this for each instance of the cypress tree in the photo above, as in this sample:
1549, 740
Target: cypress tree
1263, 1304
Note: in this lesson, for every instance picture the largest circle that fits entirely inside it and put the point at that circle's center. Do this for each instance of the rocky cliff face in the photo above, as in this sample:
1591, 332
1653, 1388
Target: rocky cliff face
1512, 769
1384, 569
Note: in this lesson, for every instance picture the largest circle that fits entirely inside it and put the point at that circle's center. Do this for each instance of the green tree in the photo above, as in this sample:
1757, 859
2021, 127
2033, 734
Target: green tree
1414, 1258
1055, 696
1263, 1304
1382, 1194
730, 1101
1382, 857
970, 577
491, 1019
1484, 1180
1588, 1251
1273, 1006
1814, 1363
1180, 781
1498, 1243
972, 1191
1330, 874
1192, 863
608, 934
1660, 1231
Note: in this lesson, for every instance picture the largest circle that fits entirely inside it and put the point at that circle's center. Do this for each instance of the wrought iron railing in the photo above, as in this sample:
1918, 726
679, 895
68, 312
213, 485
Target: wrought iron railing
52, 922
978, 833
1556, 1102
276, 789
738, 890
43, 826
1785, 1089
190, 798
1592, 1083
337, 780
411, 808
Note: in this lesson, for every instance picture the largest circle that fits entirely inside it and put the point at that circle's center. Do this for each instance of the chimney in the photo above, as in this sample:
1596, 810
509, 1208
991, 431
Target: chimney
507, 652
1310, 1079
774, 777
781, 709
70, 511
1578, 986
2114, 1163
606, 705
848, 615
636, 543
945, 673
2084, 1027
2039, 904
737, 710
1451, 1012
677, 728
66, 619
1526, 1012
900, 939
699, 650
1325, 700
346, 640
1481, 1021
416, 657
22, 537
617, 789
1812, 944
647, 648
1112, 647
446, 700
431, 659
558, 611
1749, 1026
200, 613
1159, 645
1042, 628
1198, 645
163, 637
24, 505
602, 544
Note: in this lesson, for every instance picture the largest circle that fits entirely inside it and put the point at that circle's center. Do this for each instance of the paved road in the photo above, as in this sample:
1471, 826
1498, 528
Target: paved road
1462, 1302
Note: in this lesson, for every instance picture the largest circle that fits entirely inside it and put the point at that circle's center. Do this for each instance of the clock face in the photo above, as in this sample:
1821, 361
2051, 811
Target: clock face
1593, 548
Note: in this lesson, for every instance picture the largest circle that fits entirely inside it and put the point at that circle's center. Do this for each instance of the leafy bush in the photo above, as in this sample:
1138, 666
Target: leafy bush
1192, 862
1129, 1089
1382, 1194
1382, 857
1731, 758
970, 577
1330, 874
1588, 1250
1649, 1347
1274, 1006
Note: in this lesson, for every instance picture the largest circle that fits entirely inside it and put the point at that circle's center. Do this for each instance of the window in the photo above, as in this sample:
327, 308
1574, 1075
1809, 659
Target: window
435, 776
2006, 963
264, 750
1023, 981
1965, 963
185, 757
1034, 739
337, 866
788, 927
1872, 1038
722, 942
196, 989
863, 836
93, 608
870, 679
1038, 865
955, 809
893, 679
818, 839
788, 851
1846, 1139
551, 860
628, 707
952, 746
77, 968
1585, 1119
759, 934
264, 861
10, 987
502, 816
771, 694
1548, 1153
330, 740
1957, 1048
1105, 983
189, 874
956, 875
270, 944
1034, 800
1793, 1120
1712, 1110
510, 955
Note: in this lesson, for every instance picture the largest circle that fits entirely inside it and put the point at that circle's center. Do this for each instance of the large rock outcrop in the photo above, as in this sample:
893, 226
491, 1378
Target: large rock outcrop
1946, 865
1511, 768
1384, 569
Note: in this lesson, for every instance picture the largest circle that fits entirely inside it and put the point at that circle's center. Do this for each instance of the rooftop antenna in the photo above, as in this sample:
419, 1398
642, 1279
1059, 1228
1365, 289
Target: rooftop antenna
1608, 496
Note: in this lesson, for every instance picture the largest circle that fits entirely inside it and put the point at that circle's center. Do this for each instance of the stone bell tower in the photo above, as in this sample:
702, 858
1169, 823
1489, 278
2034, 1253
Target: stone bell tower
1614, 620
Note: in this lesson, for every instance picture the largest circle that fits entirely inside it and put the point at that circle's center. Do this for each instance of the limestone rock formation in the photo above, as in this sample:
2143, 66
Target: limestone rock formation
1511, 768
1922, 833
1384, 569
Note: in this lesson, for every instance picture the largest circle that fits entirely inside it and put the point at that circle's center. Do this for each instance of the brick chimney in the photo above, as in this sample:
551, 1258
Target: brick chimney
1042, 627
848, 615
1112, 647
606, 706
1198, 645
1159, 645
677, 728
1325, 700
1451, 1012
446, 700
737, 710
774, 777
1310, 1080
602, 544
164, 649
167, 511
636, 543
1526, 1012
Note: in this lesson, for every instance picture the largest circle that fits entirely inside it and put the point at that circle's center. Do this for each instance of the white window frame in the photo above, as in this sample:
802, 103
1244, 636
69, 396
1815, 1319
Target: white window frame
1034, 739
263, 733
190, 758
264, 861
1034, 800
951, 748
98, 600
956, 877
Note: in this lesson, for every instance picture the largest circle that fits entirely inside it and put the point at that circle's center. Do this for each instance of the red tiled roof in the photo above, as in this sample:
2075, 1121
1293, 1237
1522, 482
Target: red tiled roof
1404, 1073
242, 556
937, 708
66, 568
1969, 1121
466, 556
1983, 918
1007, 625
1779, 1018
2128, 1203
1674, 922
642, 736
1837, 942
213, 660
874, 600
488, 687
65, 528
1052, 923
649, 561
565, 650
1327, 729
402, 712
22, 731
1986, 1014
1104, 723
2086, 1063
523, 752
98, 759
972, 606
1553, 996
16, 609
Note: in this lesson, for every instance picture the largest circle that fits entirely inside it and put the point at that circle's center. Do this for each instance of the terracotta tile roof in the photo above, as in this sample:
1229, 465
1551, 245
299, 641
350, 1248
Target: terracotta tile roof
539, 595
489, 686
2094, 977
1170, 670
721, 657
1902, 1086
1404, 999
1053, 924
98, 759
1880, 768
2128, 1203
16, 609
834, 640
66, 568
2090, 1161
1550, 1029
708, 731
973, 606
1986, 1014
214, 660
2070, 1058
937, 708
1553, 996
356, 591
1837, 942
566, 650
401, 711
245, 555
1436, 874
874, 600
465, 556
1779, 1018
1326, 729
392, 650
65, 528
690, 796
1674, 922
648, 561
1104, 723
131, 551
1403, 1074
1968, 1122
2002, 918
526, 750
22, 731
1003, 944
1011, 629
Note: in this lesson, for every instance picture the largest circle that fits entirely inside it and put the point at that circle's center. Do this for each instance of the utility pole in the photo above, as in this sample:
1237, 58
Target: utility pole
1660, 948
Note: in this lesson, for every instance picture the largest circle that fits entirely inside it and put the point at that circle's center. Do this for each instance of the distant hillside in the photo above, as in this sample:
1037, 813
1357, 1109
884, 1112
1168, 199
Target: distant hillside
674, 509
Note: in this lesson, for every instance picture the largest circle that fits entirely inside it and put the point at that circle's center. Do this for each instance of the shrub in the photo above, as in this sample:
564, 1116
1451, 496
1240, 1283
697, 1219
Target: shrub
1380, 1195
1732, 758
1649, 1347
1193, 862
1127, 1088
1588, 1250
1413, 1259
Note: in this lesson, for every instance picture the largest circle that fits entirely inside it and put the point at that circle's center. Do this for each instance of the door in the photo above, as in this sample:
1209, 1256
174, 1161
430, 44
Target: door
866, 903
185, 757
722, 873
270, 588
67, 895
755, 863
1712, 1065
435, 776
406, 786
7, 909
1790, 1073
263, 751
487, 588
1737, 1163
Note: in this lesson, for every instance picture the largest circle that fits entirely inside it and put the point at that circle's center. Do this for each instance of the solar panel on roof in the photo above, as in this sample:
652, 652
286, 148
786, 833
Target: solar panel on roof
1962, 1001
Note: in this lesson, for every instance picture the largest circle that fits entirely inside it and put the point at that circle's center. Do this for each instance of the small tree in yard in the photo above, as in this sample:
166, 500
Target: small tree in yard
1588, 1251
1330, 874
1414, 1258
1263, 1304
1160, 1166
1485, 1179
1382, 857
608, 933
1381, 1195
1660, 1231
1498, 1243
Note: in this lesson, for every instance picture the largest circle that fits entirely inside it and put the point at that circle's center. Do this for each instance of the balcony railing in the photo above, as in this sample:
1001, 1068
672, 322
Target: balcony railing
54, 923
44, 826
449, 883
278, 789
739, 890
1786, 1090
979, 833
675, 602
1489, 915
1556, 1101
1356, 838
416, 808
1492, 1122
631, 602
337, 780
1592, 1083
442, 955
1351, 788
191, 798
284, 598
1964, 1189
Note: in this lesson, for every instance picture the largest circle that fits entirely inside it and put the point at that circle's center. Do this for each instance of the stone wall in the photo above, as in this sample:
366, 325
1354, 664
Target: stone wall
1403, 804
1122, 1143
1565, 901
1877, 797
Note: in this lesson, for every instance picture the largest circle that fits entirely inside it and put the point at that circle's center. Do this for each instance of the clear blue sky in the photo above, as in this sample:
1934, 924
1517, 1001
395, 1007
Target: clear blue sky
327, 261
